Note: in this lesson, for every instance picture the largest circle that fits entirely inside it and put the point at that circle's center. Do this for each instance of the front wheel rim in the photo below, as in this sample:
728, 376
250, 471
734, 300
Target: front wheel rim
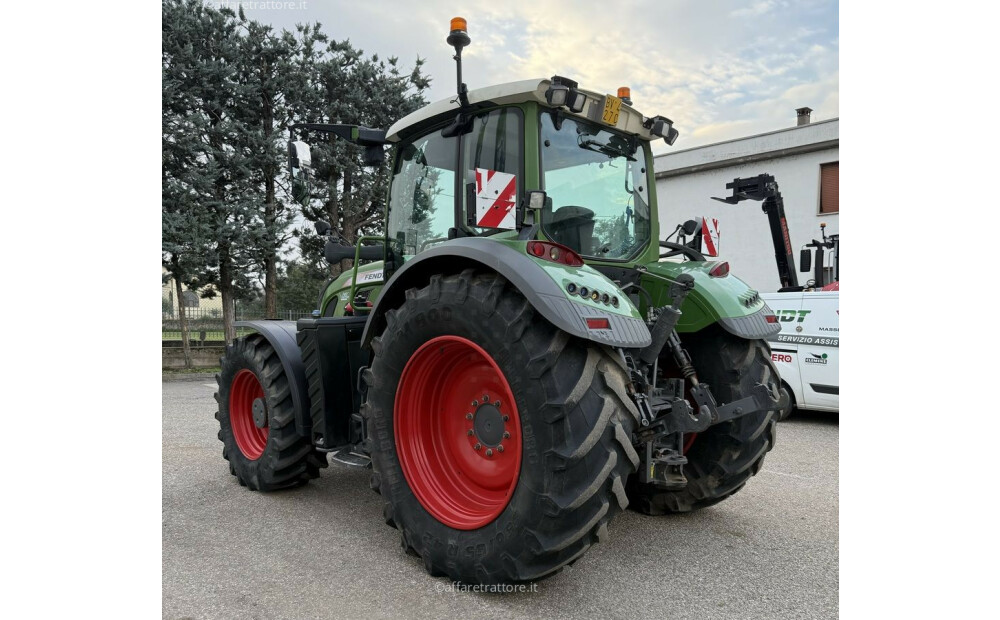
244, 390
458, 433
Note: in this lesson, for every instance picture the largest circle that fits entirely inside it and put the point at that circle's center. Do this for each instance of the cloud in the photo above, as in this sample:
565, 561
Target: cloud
716, 81
757, 8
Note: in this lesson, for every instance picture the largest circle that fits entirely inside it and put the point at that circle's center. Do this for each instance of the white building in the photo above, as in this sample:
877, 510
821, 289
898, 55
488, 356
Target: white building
804, 161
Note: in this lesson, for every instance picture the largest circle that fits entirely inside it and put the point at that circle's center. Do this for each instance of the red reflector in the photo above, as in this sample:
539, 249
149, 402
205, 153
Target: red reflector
721, 270
770, 318
598, 324
554, 253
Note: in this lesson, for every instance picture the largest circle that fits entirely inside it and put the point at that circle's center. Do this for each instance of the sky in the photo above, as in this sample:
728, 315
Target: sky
720, 70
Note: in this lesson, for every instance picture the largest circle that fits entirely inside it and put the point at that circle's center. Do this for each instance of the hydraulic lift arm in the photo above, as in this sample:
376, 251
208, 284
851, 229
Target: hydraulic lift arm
764, 187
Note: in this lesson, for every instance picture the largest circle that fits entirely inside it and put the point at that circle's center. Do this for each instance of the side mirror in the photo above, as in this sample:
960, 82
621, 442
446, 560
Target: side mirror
374, 155
689, 227
299, 159
299, 168
805, 260
323, 228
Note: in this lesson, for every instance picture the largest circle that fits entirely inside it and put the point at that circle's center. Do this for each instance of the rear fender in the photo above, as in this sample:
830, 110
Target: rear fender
542, 285
281, 336
726, 300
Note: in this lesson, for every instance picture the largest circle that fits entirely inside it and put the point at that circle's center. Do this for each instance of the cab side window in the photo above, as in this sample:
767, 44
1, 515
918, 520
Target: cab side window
422, 195
492, 161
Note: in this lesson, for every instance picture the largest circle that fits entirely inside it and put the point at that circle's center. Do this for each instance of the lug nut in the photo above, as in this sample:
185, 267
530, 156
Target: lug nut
489, 453
500, 448
475, 403
506, 435
468, 416
486, 398
506, 418
497, 404
470, 433
478, 446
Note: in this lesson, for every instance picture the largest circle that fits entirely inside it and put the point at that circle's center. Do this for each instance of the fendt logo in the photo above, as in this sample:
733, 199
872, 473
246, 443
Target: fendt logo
787, 316
815, 358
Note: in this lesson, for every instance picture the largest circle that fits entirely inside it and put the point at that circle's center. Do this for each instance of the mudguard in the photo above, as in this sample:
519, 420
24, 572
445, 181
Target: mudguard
538, 284
726, 300
281, 336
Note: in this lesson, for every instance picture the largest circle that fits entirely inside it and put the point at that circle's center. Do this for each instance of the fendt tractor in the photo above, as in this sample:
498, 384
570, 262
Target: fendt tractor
511, 357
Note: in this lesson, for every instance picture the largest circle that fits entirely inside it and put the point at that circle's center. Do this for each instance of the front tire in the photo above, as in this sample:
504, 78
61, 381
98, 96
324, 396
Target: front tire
723, 458
478, 518
257, 420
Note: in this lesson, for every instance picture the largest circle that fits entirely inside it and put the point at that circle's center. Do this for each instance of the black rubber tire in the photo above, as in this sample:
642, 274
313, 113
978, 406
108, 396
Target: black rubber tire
789, 407
289, 459
722, 459
576, 422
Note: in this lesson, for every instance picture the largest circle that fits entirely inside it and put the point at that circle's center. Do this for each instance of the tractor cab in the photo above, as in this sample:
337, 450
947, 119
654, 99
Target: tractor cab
470, 170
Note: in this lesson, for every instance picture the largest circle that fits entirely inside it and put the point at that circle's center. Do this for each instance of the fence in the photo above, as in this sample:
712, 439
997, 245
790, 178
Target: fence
205, 326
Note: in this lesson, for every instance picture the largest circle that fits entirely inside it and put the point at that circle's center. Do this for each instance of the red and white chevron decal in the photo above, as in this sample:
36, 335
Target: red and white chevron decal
710, 236
495, 199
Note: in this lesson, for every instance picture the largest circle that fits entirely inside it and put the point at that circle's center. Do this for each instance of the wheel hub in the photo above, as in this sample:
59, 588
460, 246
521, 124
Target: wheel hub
487, 424
259, 413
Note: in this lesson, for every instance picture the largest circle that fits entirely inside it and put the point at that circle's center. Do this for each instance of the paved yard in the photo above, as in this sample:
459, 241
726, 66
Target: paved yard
322, 551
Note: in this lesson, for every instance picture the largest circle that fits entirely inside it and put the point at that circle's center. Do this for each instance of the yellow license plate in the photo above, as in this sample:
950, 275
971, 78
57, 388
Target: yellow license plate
612, 106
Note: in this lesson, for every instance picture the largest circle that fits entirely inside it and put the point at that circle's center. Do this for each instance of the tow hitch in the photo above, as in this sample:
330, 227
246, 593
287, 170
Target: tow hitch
665, 416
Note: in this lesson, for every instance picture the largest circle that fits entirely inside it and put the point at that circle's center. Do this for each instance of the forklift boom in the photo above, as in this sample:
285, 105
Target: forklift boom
764, 187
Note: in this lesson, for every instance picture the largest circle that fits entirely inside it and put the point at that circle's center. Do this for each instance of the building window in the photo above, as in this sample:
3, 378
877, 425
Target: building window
190, 299
829, 187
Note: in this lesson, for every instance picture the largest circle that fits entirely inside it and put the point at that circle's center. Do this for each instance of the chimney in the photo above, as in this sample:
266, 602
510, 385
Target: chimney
803, 115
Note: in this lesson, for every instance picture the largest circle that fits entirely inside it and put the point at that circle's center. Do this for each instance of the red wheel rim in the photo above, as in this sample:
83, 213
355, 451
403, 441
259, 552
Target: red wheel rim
244, 390
440, 416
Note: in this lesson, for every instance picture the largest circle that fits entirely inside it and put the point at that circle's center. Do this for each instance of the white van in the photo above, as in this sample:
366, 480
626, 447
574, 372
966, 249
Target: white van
807, 349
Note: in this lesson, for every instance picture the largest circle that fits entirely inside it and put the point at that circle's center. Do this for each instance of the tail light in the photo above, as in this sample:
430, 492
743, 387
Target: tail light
720, 270
598, 324
770, 318
555, 253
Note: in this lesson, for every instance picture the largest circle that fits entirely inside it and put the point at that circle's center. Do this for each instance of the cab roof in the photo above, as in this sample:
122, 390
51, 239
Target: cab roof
629, 119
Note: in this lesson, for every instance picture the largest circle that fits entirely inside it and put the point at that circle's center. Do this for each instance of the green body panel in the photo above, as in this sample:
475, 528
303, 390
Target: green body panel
712, 298
338, 292
586, 276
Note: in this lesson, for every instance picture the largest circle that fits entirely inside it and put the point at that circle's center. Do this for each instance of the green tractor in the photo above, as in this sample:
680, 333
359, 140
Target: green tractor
513, 358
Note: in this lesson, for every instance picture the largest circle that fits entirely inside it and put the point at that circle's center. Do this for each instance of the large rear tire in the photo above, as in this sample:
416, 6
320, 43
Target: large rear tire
265, 452
527, 510
723, 458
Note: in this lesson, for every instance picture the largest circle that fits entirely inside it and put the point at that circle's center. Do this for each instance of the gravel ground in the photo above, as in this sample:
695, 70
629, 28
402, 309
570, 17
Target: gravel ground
323, 551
